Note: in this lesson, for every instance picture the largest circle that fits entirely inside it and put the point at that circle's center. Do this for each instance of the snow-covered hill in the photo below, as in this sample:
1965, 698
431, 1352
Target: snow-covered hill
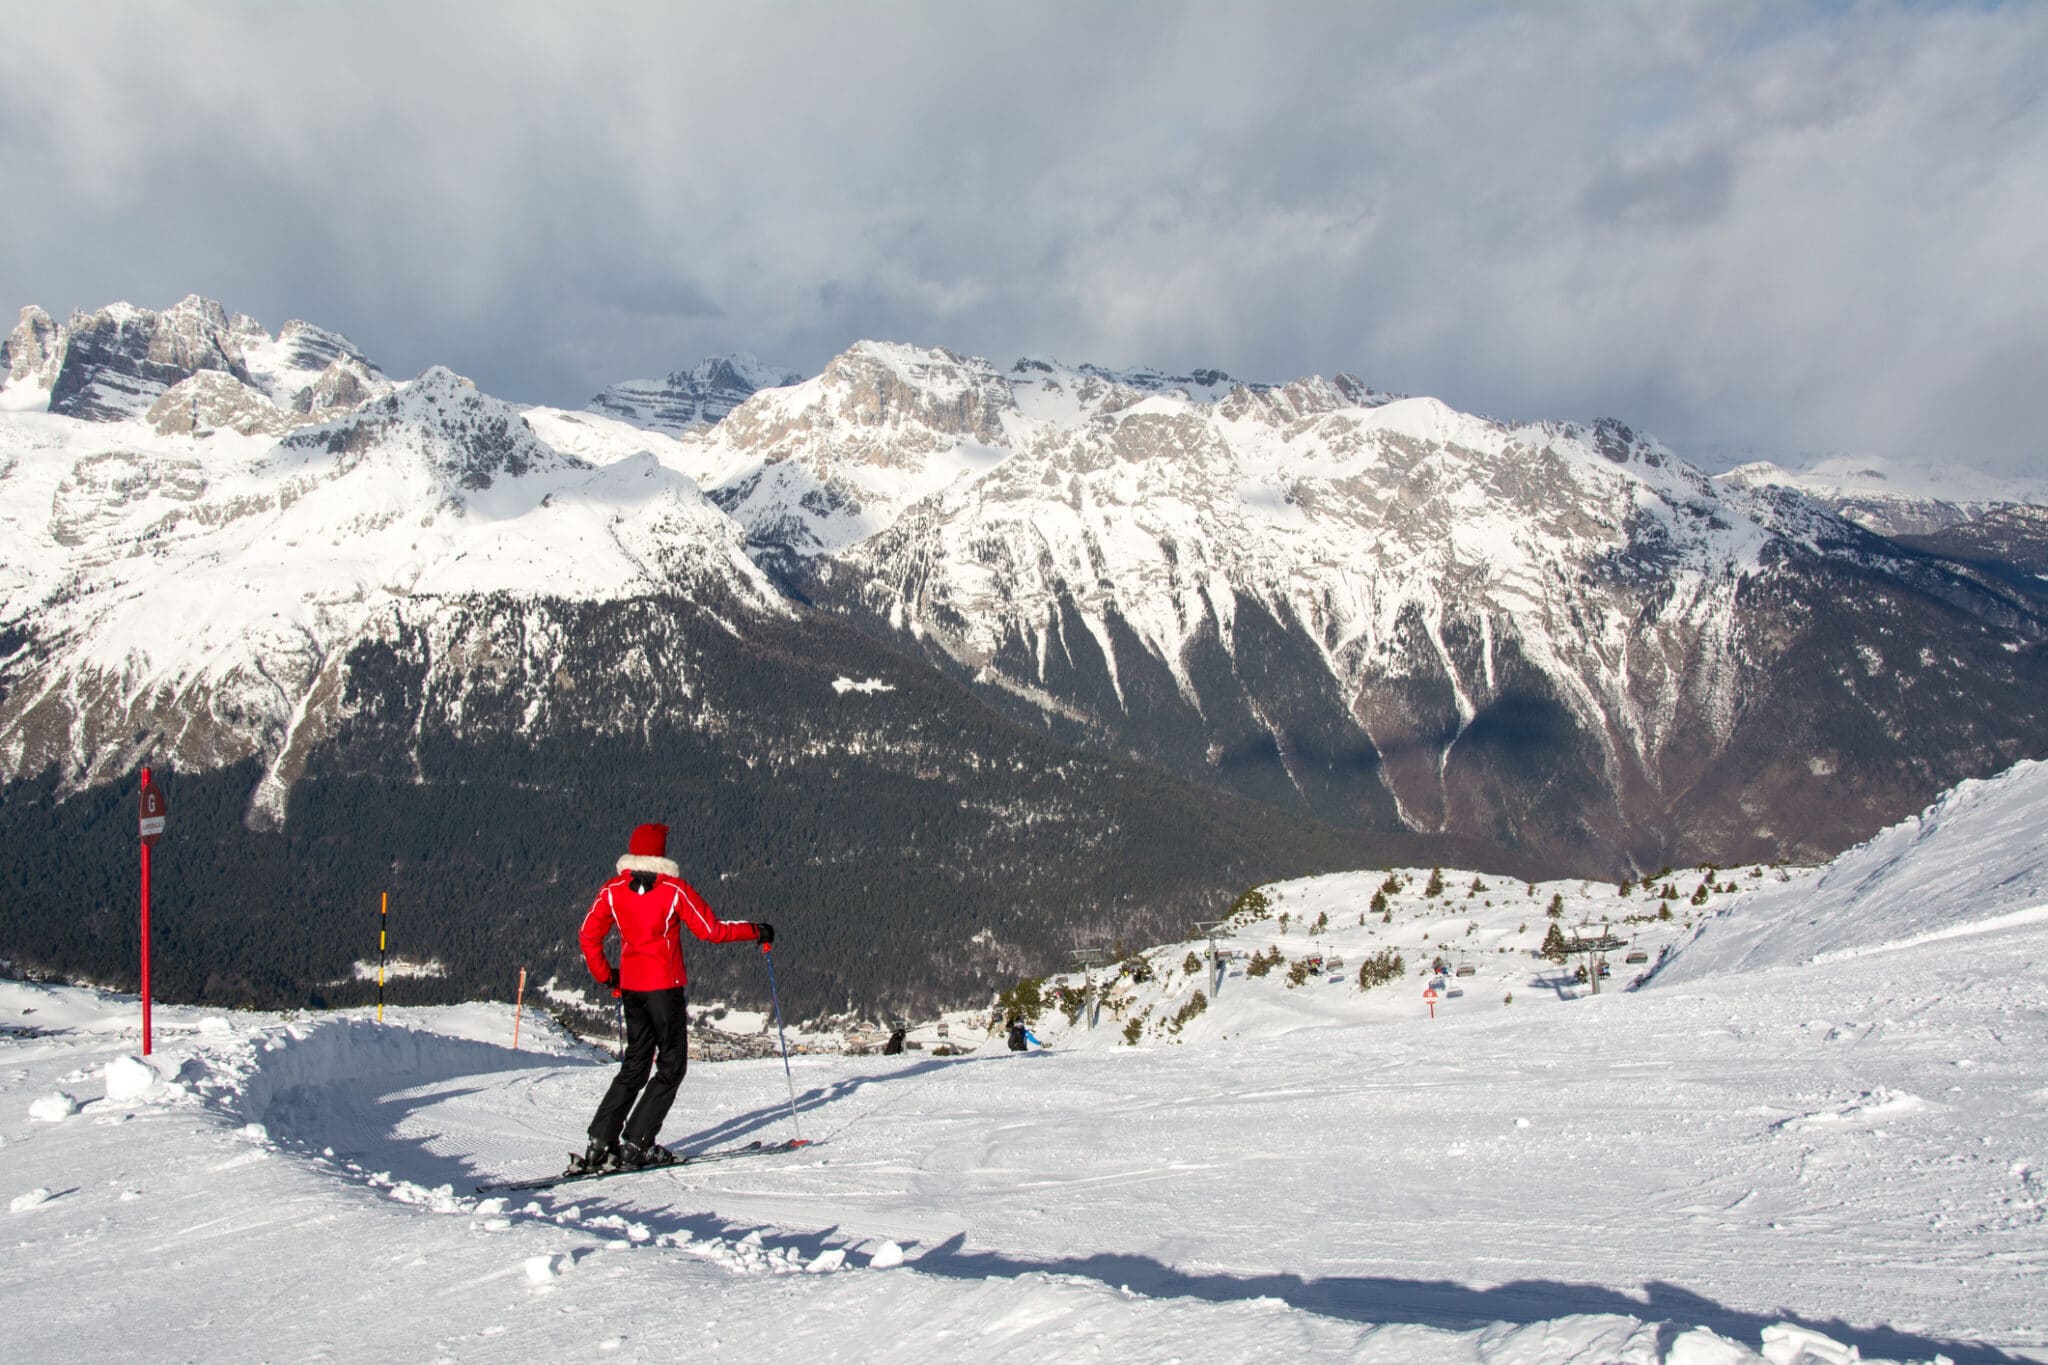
1814, 1138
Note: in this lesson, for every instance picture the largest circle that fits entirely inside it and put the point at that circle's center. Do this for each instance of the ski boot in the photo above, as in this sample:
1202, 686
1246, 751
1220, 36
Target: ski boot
640, 1156
595, 1157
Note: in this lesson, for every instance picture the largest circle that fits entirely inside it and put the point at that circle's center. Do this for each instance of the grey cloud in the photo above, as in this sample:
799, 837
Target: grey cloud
1692, 193
1738, 225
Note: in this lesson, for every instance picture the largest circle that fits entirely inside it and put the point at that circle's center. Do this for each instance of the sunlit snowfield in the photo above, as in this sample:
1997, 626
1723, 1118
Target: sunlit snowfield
1827, 1113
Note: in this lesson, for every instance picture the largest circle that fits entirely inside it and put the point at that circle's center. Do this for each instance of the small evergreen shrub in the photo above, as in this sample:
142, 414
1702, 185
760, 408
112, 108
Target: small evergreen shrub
1026, 999
1192, 965
1251, 905
1383, 966
1435, 887
1195, 1005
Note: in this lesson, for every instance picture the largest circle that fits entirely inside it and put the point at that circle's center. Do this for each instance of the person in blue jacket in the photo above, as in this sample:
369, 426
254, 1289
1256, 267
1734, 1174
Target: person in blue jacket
1019, 1035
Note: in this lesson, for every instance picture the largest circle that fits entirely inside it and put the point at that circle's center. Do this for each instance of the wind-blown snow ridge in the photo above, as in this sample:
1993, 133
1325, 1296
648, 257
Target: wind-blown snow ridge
1969, 864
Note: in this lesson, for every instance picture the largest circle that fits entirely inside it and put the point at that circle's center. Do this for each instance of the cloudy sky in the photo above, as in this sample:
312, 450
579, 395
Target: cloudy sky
1768, 227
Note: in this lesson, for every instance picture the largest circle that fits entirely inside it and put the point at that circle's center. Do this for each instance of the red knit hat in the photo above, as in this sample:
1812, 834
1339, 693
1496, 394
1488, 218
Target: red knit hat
648, 841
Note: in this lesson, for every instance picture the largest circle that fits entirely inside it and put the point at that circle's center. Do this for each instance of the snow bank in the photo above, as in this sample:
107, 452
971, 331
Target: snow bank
1969, 864
251, 1076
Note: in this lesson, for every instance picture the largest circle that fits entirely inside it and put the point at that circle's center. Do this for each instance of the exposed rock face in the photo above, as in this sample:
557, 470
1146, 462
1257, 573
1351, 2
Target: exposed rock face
1553, 637
119, 360
214, 400
346, 383
466, 438
33, 351
306, 347
691, 399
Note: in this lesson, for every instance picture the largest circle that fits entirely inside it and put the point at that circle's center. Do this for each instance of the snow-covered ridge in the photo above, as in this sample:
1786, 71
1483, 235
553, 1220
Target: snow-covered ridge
1969, 864
118, 362
1892, 497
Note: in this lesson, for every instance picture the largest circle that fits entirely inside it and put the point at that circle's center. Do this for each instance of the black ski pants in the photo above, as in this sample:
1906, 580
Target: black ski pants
657, 1039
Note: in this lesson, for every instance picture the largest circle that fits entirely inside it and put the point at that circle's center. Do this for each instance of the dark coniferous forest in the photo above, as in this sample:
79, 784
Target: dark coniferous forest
912, 847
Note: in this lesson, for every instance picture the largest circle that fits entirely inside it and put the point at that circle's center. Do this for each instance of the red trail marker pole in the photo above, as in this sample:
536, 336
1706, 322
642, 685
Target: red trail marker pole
151, 829
518, 1008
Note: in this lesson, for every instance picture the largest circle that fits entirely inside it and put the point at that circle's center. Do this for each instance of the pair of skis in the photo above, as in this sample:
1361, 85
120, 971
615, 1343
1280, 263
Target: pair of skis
692, 1158
547, 1182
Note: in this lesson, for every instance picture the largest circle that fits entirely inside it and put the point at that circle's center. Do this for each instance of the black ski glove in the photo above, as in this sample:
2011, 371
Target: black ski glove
611, 981
765, 933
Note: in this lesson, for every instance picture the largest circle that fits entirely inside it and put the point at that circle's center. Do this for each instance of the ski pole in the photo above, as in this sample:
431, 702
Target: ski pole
768, 954
619, 1004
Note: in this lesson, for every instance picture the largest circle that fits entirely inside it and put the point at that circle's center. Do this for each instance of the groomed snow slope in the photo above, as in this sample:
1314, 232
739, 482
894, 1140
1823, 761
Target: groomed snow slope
1847, 1141
1970, 864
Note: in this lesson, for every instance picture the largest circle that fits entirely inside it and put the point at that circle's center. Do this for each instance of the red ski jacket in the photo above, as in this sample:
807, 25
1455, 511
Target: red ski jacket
650, 928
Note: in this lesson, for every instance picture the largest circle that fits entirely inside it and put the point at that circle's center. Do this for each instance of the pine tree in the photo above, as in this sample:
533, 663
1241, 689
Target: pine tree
1435, 887
1556, 910
1553, 944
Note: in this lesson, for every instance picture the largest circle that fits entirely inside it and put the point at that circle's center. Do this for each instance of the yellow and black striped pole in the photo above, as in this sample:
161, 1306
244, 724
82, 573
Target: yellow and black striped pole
383, 919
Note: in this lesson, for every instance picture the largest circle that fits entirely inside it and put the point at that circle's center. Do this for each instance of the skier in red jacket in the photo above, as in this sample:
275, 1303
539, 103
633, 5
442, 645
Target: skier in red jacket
650, 905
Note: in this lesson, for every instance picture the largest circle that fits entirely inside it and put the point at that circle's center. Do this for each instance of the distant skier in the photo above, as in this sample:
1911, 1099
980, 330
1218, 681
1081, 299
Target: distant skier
650, 905
1020, 1035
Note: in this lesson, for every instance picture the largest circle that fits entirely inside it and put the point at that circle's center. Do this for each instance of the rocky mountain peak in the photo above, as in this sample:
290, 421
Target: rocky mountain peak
885, 385
118, 360
686, 400
213, 400
33, 351
440, 421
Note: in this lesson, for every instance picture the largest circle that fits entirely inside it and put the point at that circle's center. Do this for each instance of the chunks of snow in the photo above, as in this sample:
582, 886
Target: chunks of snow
541, 1269
22, 1203
1704, 1346
1785, 1344
825, 1262
887, 1256
53, 1108
129, 1079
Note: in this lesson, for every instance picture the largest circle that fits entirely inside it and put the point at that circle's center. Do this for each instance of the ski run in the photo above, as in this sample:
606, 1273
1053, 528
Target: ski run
1819, 1133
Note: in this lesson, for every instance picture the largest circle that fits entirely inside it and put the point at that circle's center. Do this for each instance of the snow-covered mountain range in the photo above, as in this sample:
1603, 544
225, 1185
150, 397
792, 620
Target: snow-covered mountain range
1549, 634
1891, 497
1552, 636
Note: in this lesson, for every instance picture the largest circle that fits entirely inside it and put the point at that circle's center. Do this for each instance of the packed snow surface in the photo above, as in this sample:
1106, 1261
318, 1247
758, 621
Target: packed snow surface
1816, 1135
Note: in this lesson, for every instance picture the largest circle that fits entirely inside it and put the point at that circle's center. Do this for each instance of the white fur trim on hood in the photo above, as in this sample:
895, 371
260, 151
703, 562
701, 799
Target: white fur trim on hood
642, 863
